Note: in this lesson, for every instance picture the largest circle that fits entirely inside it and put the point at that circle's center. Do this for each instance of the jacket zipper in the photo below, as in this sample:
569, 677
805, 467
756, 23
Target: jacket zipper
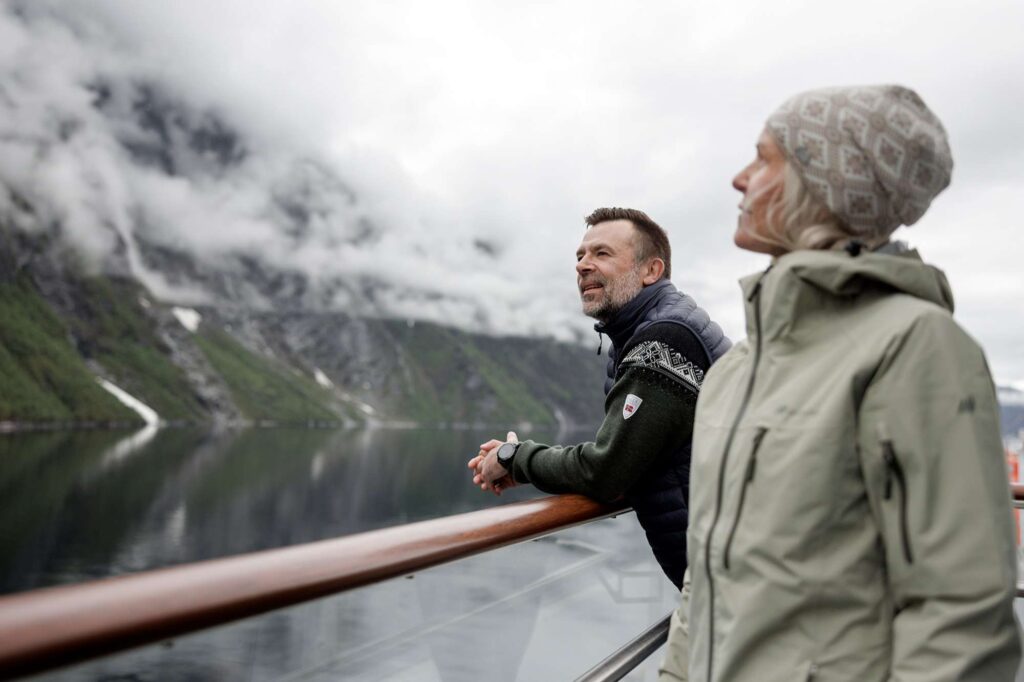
755, 296
747, 478
895, 470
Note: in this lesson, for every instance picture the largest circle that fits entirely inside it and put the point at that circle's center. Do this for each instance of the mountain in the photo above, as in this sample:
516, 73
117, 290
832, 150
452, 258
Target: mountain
1011, 402
291, 366
63, 328
218, 270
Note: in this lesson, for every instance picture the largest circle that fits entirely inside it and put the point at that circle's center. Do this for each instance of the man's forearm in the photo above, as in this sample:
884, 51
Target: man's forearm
627, 443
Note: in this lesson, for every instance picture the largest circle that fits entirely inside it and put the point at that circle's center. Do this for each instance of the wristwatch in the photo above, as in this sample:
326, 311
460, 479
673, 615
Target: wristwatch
506, 452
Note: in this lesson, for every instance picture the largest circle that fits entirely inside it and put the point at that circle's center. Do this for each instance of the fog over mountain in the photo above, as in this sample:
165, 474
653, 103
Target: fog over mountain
101, 149
435, 161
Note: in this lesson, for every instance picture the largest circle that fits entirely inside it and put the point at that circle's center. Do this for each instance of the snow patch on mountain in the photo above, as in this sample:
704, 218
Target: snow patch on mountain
188, 317
147, 413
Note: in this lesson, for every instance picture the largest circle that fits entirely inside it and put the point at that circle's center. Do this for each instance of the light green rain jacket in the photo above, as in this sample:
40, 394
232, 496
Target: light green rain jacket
850, 516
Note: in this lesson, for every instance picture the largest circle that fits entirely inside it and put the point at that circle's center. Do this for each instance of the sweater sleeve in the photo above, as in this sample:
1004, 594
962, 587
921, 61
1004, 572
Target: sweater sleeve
648, 413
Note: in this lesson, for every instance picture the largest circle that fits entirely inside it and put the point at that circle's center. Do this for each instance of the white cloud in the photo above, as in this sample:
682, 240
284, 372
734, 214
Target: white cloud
459, 121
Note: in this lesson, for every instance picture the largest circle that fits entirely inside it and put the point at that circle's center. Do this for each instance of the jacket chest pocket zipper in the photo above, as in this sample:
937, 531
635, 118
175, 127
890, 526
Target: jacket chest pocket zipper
894, 472
748, 476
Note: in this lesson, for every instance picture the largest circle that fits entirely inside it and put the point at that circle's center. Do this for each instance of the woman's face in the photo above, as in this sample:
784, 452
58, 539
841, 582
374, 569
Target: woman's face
761, 183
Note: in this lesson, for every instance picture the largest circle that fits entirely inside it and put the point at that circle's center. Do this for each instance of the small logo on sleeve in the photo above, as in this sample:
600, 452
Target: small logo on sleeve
631, 406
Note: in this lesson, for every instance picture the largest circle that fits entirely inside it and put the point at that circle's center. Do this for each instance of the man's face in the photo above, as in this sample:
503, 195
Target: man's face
607, 273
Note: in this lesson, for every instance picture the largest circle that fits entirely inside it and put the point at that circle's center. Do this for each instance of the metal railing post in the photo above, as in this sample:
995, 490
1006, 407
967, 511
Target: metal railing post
635, 652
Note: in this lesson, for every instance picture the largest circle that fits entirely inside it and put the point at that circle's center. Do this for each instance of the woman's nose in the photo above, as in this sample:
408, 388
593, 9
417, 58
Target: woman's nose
740, 181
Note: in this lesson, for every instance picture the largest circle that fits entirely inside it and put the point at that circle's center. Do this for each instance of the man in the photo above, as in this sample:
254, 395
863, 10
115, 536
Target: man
662, 343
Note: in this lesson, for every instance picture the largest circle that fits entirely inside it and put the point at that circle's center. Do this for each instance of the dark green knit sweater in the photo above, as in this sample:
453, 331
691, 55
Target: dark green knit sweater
624, 448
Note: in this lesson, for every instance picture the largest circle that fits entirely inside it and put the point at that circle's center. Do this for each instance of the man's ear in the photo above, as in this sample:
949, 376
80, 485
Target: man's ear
653, 271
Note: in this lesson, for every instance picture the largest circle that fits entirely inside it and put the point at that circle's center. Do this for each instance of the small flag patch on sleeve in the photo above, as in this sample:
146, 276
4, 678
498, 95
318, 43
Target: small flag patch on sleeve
631, 406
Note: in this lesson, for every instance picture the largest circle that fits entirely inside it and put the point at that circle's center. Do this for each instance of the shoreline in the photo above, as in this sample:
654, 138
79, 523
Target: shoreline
15, 427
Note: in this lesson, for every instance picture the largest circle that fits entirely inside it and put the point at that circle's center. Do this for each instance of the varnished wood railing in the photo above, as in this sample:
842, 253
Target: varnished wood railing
48, 628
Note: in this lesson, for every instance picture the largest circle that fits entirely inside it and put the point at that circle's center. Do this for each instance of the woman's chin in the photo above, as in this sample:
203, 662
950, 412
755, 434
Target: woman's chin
745, 239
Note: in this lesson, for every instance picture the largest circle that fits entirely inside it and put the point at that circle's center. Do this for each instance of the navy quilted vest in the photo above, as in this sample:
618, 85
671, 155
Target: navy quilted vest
660, 496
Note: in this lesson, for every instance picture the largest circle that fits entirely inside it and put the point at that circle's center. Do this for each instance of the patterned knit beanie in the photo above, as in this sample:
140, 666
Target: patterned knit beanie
876, 155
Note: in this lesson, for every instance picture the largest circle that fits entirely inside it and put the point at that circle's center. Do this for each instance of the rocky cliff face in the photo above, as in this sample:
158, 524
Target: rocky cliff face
259, 349
219, 274
241, 364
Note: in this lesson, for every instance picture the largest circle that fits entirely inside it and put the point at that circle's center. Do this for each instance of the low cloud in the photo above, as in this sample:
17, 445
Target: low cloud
435, 161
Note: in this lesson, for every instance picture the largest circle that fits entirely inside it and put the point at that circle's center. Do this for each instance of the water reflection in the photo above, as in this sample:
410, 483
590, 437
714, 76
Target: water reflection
81, 505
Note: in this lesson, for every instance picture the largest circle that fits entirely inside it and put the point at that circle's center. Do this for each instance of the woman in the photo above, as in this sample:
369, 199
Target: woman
850, 516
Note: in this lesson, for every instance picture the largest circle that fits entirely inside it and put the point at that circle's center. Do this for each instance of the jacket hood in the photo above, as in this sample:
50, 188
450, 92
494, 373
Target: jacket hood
794, 276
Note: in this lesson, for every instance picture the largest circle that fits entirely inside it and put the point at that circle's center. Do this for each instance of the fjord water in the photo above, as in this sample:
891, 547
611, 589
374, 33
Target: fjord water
79, 505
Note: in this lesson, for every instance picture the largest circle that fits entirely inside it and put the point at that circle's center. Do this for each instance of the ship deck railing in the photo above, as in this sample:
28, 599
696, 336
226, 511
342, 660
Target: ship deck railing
49, 628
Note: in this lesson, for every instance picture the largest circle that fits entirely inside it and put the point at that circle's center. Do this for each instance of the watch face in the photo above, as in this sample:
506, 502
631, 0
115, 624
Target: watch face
506, 451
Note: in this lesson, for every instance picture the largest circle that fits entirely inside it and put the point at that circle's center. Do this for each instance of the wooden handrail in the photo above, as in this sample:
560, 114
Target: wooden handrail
57, 626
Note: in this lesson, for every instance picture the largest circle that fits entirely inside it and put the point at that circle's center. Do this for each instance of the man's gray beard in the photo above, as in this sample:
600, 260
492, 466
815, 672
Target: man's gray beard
617, 293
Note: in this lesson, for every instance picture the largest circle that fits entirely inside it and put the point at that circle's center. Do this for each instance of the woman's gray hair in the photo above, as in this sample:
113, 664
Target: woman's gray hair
798, 220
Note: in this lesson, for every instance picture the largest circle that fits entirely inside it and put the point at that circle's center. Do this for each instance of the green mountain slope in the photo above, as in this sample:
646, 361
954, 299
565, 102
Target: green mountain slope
113, 328
262, 388
42, 377
462, 377
62, 329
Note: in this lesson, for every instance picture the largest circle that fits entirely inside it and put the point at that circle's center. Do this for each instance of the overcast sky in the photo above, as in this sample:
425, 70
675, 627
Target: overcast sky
511, 121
